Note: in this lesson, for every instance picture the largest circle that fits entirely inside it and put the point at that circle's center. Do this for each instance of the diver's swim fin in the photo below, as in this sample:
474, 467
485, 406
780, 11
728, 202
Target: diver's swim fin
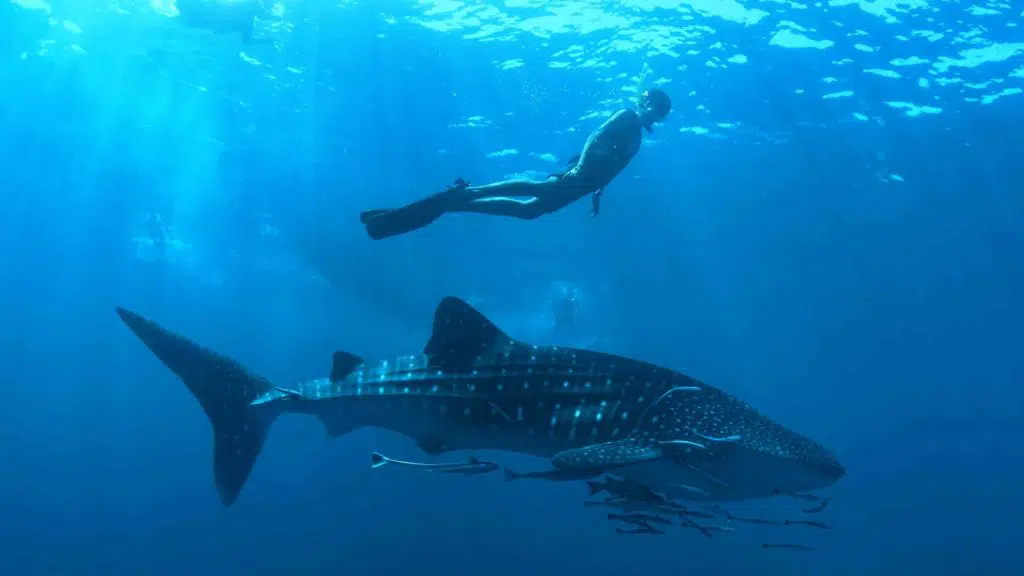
365, 217
386, 223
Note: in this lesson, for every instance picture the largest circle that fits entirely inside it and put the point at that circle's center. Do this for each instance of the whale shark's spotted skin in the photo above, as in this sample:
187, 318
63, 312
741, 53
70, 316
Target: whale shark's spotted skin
476, 388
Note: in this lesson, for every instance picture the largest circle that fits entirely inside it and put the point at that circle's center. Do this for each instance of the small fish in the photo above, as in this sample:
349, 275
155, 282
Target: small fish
752, 520
813, 523
470, 467
714, 528
798, 496
691, 490
687, 523
640, 519
821, 506
644, 530
787, 547
627, 506
696, 513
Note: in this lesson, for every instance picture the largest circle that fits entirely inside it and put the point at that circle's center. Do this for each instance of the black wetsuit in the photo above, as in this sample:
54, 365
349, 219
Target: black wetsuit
565, 311
608, 150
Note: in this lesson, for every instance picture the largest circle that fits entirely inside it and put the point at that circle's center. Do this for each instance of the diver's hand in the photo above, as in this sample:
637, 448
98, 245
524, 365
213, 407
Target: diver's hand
595, 203
459, 184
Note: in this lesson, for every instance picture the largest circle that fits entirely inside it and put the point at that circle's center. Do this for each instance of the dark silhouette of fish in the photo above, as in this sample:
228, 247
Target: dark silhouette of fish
687, 523
640, 519
641, 530
798, 496
817, 509
475, 388
811, 523
696, 513
627, 490
628, 506
748, 520
800, 547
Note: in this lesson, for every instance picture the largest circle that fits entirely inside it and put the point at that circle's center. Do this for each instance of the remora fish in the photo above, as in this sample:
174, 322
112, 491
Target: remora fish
475, 388
469, 467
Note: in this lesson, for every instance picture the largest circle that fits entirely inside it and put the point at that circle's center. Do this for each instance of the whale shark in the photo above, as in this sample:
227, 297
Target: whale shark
474, 387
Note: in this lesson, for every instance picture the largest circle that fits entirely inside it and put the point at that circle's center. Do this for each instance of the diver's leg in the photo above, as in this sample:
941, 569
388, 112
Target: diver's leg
523, 199
384, 223
522, 208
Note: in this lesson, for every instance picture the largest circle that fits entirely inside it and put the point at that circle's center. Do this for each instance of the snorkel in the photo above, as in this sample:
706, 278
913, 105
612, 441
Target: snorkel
641, 104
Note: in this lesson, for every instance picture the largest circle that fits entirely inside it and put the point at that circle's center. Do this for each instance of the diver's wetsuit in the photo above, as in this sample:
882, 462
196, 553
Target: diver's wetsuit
566, 310
607, 152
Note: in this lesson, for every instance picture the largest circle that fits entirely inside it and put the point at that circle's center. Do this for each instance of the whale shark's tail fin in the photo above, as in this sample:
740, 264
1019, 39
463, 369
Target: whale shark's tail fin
225, 389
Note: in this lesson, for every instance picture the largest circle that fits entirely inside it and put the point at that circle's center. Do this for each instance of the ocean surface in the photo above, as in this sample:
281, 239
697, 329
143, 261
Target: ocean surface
829, 225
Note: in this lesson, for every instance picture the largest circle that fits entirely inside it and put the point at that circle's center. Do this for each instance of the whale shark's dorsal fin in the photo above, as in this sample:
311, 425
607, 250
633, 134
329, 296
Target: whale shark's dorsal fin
343, 364
461, 333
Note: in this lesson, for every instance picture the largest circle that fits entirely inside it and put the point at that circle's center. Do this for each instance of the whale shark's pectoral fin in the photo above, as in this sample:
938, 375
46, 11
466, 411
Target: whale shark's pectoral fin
461, 334
592, 461
335, 426
607, 455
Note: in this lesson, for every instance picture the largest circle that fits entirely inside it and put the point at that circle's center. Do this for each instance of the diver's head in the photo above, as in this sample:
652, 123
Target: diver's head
653, 106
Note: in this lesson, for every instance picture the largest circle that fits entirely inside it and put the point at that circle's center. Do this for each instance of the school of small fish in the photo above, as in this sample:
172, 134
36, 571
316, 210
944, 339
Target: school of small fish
643, 510
647, 512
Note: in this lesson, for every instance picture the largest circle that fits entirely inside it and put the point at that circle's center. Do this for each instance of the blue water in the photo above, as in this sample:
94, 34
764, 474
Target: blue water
829, 225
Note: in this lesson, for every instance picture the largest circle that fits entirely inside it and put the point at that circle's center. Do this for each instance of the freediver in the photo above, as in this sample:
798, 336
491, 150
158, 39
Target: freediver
157, 232
565, 310
223, 16
608, 150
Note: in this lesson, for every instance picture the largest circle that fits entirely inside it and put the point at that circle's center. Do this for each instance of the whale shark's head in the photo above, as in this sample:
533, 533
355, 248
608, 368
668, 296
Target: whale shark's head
746, 470
742, 453
803, 465
771, 459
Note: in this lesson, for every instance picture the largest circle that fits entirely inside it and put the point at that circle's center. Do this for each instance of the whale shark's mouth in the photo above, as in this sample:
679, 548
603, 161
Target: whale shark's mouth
744, 475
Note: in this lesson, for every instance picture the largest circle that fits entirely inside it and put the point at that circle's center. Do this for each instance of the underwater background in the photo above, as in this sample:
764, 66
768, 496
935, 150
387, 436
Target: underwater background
829, 225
